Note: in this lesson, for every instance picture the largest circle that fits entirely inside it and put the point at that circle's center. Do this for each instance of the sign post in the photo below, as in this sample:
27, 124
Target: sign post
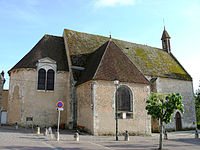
59, 108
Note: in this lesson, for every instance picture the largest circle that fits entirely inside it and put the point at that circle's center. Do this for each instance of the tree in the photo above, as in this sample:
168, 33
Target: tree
162, 107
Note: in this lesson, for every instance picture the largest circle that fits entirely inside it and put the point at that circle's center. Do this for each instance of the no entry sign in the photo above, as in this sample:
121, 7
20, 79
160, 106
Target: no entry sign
60, 104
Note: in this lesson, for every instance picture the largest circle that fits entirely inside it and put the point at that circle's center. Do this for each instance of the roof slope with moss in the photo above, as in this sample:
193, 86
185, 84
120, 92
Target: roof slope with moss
49, 46
150, 61
109, 62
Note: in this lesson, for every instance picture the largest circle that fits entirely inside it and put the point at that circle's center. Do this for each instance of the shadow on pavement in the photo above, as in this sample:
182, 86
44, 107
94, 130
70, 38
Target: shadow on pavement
151, 147
25, 148
187, 140
13, 130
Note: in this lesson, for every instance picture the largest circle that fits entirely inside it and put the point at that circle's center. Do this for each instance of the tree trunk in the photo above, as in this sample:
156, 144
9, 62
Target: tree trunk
161, 132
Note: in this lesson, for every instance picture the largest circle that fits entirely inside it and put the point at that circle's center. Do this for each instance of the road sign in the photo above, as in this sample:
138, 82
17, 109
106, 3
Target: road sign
60, 104
59, 109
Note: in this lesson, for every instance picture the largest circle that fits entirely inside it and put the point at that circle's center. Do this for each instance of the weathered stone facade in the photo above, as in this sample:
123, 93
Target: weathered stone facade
185, 88
96, 108
5, 100
85, 106
26, 101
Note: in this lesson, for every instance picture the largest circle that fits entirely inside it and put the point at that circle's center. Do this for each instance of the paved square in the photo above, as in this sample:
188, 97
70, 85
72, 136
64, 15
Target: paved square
26, 140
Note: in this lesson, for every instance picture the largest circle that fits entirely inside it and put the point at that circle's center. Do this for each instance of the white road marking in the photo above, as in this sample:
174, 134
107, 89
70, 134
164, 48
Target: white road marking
99, 145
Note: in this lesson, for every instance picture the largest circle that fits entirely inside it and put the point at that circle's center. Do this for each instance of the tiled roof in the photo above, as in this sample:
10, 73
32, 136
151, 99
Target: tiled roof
92, 64
49, 46
109, 62
150, 61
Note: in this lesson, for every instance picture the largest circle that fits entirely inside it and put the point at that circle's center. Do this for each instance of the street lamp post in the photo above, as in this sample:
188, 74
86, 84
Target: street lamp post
116, 83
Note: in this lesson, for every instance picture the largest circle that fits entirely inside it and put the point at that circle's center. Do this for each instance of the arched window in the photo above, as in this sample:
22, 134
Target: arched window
41, 79
46, 80
50, 79
124, 96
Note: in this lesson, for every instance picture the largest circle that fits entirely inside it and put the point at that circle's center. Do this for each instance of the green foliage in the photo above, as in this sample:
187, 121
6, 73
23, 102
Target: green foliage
197, 105
161, 106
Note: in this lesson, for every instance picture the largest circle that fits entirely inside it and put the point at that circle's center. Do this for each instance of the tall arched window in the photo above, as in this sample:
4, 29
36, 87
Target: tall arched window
50, 79
46, 80
41, 79
124, 96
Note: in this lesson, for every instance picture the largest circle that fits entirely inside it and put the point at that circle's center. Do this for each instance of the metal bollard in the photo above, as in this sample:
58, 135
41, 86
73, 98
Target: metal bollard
45, 132
16, 125
126, 136
57, 135
38, 130
76, 136
196, 134
50, 132
165, 135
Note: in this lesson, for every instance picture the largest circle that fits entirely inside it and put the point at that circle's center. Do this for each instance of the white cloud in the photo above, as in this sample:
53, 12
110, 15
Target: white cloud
107, 3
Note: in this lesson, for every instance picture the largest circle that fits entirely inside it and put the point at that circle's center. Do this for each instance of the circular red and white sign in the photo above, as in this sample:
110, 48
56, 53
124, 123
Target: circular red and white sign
60, 104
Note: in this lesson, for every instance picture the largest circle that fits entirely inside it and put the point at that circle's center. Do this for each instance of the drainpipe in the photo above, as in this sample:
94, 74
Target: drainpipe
93, 105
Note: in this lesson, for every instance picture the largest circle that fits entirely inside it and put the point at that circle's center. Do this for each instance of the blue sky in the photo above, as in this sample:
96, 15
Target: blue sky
24, 22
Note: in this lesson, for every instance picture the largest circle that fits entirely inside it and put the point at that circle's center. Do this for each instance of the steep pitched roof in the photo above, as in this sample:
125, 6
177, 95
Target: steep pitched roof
149, 60
165, 34
49, 46
109, 62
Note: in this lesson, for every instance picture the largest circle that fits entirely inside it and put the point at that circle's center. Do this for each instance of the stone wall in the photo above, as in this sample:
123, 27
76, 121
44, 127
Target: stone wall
84, 107
185, 88
5, 100
26, 101
100, 96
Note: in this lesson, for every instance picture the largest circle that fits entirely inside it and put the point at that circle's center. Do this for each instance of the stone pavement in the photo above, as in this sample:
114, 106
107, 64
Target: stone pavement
26, 140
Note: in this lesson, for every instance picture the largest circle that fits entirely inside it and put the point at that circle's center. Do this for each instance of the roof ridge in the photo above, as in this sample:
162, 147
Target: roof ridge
114, 39
150, 61
50, 35
102, 58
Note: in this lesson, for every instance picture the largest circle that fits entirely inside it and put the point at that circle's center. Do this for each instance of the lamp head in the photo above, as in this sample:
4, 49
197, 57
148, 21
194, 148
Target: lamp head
116, 82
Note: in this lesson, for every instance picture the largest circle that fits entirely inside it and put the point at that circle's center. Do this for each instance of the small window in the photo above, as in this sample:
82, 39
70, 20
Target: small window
41, 79
124, 99
50, 79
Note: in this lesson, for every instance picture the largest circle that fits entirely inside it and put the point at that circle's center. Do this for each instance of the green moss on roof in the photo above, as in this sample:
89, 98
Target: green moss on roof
81, 43
149, 60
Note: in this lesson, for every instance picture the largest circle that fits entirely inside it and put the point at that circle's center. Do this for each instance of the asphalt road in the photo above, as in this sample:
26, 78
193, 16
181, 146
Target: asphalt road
22, 139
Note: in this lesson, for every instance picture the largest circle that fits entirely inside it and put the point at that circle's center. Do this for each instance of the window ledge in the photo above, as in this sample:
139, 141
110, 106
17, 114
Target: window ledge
125, 115
51, 91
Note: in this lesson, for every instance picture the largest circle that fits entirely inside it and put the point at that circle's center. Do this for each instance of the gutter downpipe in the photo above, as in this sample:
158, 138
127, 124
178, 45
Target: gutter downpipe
93, 106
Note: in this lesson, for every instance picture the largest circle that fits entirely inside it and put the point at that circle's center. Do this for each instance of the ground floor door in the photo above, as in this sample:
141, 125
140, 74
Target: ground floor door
178, 122
3, 117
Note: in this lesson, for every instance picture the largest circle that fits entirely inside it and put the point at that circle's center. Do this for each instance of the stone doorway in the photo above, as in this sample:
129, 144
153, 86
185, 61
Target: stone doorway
178, 121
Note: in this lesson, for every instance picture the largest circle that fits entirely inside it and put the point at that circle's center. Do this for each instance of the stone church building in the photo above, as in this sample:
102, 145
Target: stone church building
79, 69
